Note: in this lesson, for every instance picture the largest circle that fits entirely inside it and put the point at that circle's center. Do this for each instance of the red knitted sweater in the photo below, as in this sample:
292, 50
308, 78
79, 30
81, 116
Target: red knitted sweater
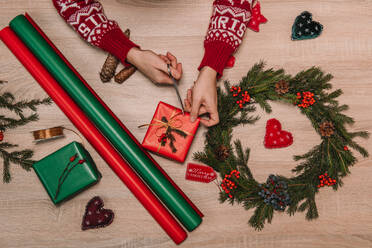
227, 26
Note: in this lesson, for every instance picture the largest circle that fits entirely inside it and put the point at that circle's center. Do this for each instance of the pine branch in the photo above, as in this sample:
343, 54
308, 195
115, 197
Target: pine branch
7, 101
21, 157
11, 123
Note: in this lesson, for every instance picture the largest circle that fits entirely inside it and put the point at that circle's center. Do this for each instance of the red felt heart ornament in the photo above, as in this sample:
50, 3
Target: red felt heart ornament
95, 215
275, 137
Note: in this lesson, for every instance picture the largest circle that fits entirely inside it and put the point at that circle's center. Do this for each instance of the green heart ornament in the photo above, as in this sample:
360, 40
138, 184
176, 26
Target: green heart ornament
305, 28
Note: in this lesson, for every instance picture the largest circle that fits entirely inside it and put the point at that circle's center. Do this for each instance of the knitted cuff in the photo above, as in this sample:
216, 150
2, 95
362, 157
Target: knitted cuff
117, 44
216, 55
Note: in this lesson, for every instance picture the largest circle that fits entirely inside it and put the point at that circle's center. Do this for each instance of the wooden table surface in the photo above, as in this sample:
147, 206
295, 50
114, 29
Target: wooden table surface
29, 219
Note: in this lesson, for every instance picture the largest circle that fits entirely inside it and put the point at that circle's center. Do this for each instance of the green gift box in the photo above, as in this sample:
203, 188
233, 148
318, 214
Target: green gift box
67, 172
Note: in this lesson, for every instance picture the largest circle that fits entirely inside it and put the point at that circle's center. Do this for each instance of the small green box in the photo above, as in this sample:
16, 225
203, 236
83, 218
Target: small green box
76, 174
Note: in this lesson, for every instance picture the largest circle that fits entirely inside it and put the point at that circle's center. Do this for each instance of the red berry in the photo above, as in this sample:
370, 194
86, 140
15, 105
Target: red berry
1, 135
73, 158
81, 161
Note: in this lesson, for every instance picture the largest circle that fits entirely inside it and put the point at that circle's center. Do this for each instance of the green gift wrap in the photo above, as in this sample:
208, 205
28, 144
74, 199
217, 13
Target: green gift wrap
67, 172
107, 124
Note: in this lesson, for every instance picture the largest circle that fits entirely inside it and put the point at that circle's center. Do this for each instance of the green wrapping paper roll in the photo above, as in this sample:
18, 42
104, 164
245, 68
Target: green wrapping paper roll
105, 123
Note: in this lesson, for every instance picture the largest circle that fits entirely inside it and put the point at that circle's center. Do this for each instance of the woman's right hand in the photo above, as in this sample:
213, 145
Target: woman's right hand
202, 98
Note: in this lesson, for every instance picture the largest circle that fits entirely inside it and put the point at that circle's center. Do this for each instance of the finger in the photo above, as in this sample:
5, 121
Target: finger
173, 59
176, 68
187, 105
177, 72
208, 122
189, 95
194, 111
165, 59
202, 110
163, 68
213, 120
162, 78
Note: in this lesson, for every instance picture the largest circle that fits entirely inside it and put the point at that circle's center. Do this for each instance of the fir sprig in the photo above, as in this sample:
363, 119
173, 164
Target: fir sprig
22, 157
329, 156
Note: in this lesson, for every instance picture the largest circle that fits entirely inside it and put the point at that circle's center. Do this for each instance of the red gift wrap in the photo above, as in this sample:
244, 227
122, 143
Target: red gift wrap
112, 114
95, 138
170, 133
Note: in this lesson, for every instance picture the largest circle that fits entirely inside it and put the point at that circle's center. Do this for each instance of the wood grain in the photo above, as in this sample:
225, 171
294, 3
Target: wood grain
29, 219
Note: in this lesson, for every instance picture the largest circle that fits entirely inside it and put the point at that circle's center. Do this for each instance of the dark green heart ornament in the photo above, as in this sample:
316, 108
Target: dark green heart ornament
305, 28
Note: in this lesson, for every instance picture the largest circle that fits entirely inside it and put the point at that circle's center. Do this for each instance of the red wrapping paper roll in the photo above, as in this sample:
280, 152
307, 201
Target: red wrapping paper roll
112, 114
95, 138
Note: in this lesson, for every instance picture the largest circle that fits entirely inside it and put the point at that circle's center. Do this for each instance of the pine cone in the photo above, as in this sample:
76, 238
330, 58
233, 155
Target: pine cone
326, 129
125, 74
222, 153
109, 68
127, 33
110, 65
282, 87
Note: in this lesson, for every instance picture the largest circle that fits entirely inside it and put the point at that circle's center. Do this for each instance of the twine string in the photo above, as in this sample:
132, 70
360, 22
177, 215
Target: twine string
173, 124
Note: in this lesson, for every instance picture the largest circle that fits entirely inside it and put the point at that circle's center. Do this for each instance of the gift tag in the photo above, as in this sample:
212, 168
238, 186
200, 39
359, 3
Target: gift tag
200, 173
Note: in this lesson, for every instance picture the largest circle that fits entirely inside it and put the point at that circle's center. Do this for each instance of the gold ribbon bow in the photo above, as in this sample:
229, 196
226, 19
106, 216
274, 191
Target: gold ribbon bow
173, 124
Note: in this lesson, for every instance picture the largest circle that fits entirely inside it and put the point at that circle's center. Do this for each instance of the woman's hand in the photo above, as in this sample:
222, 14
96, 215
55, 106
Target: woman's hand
202, 97
155, 66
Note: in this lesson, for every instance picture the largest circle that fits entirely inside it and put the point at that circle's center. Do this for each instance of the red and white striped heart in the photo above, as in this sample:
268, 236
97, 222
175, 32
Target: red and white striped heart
275, 137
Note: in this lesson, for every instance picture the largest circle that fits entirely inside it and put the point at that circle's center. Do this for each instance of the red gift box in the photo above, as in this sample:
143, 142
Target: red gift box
170, 133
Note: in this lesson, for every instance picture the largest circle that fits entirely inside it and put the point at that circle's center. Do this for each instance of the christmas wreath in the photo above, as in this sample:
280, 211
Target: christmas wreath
324, 165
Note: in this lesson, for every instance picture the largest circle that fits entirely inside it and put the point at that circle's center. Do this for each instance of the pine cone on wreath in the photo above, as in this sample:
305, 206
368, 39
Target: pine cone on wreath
327, 129
282, 87
222, 153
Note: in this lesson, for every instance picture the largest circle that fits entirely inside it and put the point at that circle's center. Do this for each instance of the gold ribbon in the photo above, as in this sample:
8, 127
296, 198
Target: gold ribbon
47, 134
53, 133
172, 123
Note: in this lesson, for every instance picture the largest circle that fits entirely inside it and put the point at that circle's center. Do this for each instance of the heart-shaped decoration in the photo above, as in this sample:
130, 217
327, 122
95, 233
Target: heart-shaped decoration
275, 137
305, 28
95, 215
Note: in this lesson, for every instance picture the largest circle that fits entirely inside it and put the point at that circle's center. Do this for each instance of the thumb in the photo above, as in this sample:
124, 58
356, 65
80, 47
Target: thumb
177, 71
194, 111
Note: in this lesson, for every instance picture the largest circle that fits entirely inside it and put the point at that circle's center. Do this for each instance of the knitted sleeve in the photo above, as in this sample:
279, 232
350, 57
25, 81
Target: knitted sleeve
230, 19
88, 19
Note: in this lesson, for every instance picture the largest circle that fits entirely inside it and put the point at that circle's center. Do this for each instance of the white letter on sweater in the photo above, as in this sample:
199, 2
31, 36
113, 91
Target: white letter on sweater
222, 22
84, 29
214, 22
